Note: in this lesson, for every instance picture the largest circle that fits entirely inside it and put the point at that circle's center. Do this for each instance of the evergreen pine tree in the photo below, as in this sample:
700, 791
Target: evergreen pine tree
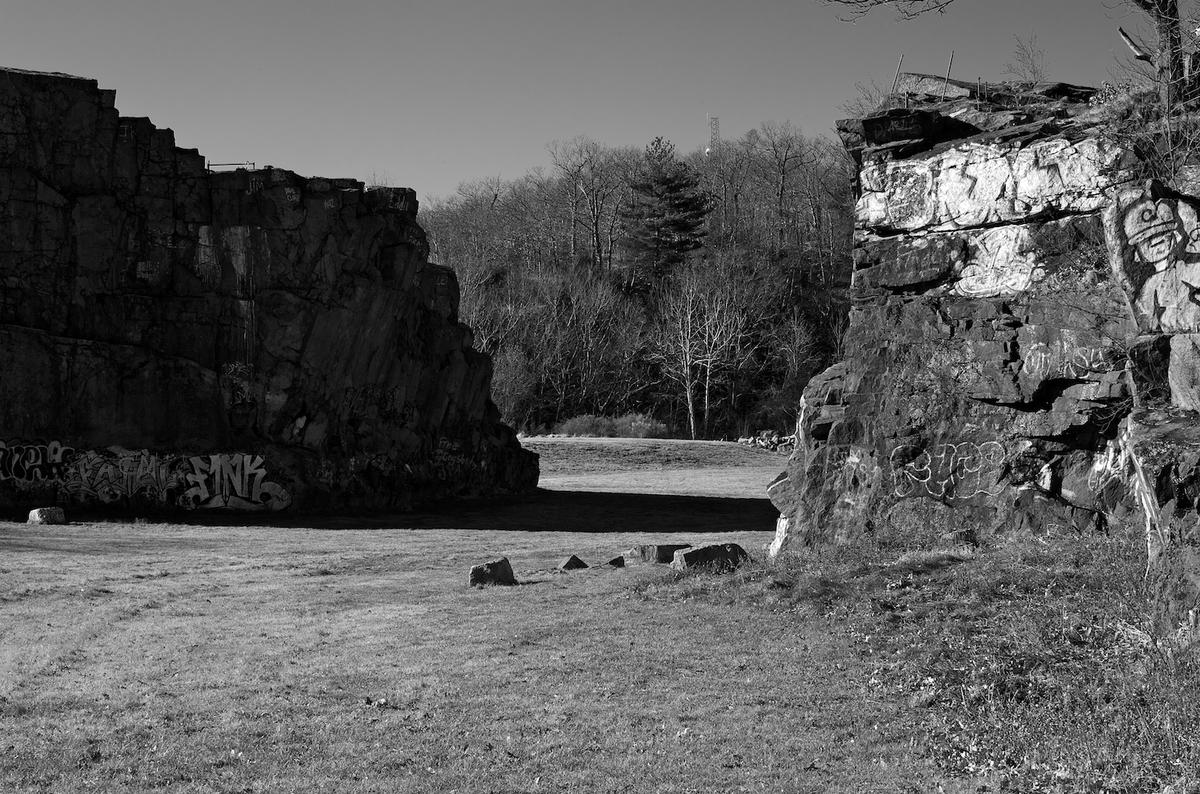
665, 220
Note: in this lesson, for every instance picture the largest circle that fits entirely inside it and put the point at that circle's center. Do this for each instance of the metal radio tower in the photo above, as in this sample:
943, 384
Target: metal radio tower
714, 135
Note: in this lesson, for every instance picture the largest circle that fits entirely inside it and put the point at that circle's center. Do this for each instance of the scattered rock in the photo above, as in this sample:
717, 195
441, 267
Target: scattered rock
494, 572
47, 515
770, 439
655, 552
572, 563
718, 556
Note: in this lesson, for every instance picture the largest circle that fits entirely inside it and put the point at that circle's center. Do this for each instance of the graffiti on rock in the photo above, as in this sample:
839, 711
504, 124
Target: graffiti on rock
1111, 465
1159, 246
225, 481
942, 470
1002, 262
32, 462
108, 476
232, 482
947, 470
1041, 362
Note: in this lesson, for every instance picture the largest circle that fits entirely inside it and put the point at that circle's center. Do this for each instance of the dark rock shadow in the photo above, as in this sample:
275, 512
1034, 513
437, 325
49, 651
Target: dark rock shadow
582, 511
544, 511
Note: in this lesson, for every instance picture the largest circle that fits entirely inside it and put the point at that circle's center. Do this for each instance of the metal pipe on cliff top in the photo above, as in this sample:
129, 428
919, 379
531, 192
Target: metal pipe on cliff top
946, 84
896, 79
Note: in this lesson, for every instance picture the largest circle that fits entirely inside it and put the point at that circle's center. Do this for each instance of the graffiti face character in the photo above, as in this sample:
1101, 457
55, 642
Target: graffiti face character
1190, 223
1153, 229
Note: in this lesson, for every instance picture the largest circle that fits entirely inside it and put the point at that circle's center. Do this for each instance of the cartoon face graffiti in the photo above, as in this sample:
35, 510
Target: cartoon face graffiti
1152, 228
1158, 237
1190, 223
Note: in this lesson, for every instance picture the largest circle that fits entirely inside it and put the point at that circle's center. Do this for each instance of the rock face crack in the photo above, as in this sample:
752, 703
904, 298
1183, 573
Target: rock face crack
237, 340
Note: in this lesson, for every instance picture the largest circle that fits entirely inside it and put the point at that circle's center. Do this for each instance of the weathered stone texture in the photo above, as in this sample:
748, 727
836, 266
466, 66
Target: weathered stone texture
986, 353
250, 339
717, 557
654, 552
47, 515
493, 572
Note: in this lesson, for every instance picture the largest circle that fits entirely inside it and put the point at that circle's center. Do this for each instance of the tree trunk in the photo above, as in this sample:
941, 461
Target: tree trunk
1170, 53
690, 387
707, 392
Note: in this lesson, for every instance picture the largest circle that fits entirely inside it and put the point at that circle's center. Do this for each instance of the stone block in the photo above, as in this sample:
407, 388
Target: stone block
655, 552
572, 563
47, 515
497, 571
718, 557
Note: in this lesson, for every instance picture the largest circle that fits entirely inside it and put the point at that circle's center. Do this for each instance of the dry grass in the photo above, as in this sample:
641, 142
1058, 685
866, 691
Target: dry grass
1036, 663
567, 456
173, 658
137, 657
656, 466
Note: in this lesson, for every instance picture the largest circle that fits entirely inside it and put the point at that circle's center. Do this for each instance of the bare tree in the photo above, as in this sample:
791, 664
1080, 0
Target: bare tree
906, 8
869, 96
1029, 61
1167, 58
783, 152
597, 176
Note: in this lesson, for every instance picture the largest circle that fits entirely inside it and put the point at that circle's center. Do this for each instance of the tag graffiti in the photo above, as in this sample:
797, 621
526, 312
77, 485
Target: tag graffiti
32, 462
947, 471
225, 481
232, 482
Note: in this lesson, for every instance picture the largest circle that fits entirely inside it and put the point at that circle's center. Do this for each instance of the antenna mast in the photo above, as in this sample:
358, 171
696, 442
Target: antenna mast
714, 135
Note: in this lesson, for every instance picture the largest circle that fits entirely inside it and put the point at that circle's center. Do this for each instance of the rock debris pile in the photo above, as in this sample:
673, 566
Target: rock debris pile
714, 557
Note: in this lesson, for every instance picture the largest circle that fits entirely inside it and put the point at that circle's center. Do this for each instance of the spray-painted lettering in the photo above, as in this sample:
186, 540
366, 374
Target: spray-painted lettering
947, 470
229, 481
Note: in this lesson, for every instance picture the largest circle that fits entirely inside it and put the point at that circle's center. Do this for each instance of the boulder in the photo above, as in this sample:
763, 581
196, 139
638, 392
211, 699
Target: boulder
572, 563
717, 557
493, 572
654, 552
47, 515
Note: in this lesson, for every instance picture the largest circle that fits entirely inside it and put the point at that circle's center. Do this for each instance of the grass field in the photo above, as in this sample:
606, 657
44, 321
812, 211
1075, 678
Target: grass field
187, 658
353, 657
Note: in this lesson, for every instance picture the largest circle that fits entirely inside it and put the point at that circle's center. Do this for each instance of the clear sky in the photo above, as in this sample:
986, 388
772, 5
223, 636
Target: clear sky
428, 94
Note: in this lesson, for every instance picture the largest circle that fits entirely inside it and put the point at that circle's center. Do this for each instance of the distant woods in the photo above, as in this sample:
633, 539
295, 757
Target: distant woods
702, 289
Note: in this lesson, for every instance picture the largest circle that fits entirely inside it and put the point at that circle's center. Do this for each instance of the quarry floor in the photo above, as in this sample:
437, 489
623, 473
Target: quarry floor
353, 656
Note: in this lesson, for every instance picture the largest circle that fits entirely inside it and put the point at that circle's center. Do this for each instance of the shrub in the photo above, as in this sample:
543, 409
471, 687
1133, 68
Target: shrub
639, 426
588, 425
627, 426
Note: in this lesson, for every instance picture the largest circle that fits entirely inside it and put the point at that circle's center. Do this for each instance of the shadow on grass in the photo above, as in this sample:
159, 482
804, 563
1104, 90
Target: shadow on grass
590, 511
544, 511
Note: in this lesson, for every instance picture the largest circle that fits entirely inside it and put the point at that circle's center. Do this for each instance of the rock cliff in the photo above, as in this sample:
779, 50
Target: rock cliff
172, 337
995, 341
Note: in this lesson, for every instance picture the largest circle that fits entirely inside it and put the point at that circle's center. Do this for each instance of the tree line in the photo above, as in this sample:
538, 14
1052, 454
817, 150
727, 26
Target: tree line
701, 289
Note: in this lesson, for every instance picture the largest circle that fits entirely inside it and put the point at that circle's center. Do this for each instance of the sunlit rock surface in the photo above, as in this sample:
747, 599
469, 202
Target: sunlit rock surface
253, 339
985, 371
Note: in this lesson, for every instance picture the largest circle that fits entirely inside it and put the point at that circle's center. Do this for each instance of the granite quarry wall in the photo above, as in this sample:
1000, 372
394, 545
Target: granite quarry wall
172, 338
1023, 350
